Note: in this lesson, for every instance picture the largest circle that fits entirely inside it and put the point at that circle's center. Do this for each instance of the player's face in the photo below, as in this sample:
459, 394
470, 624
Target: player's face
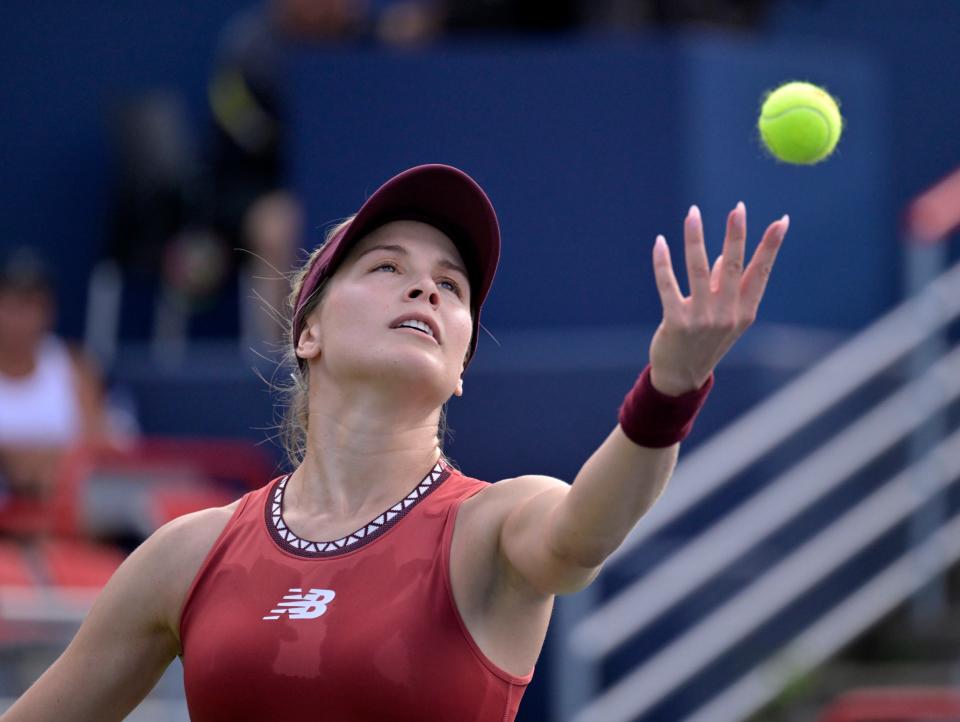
399, 305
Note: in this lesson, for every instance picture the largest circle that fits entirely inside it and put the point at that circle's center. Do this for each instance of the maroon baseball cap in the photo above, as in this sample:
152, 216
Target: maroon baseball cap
440, 195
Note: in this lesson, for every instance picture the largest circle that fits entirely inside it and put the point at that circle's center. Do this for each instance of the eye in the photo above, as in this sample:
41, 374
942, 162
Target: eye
386, 264
454, 286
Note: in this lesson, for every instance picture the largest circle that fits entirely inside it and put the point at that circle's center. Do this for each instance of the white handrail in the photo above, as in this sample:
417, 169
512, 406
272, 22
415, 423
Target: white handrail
835, 629
784, 498
775, 419
800, 571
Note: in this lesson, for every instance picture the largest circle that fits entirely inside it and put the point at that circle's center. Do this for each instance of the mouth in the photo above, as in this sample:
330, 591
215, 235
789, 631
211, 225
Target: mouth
418, 324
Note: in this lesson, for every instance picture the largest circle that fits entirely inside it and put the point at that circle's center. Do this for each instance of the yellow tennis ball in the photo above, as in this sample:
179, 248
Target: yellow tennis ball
800, 123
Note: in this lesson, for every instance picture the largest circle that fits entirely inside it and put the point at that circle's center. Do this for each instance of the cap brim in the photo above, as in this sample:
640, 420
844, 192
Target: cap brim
443, 196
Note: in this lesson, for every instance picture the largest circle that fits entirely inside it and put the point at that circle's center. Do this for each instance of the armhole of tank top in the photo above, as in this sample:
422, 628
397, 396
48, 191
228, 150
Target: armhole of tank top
206, 563
448, 528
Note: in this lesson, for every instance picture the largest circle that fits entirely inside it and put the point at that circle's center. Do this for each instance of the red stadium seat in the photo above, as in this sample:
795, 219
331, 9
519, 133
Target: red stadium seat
222, 460
50, 573
200, 473
48, 586
24, 517
895, 704
74, 563
169, 504
14, 569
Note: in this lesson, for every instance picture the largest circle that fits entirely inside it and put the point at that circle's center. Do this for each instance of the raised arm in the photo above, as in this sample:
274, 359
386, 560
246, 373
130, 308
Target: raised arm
556, 536
128, 638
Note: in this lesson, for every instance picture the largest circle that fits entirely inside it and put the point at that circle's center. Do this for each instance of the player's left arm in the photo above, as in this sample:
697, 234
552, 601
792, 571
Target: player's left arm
556, 536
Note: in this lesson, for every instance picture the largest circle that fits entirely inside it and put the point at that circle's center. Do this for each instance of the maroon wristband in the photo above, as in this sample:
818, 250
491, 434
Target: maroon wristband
654, 419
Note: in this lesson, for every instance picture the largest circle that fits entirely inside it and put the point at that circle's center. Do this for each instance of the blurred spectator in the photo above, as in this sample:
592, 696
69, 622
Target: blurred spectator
198, 219
633, 14
178, 222
252, 206
418, 20
162, 237
540, 16
50, 395
519, 15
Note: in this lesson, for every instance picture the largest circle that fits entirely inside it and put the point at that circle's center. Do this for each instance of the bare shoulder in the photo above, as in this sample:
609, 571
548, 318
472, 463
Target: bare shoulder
174, 553
187, 533
509, 520
477, 552
502, 497
483, 516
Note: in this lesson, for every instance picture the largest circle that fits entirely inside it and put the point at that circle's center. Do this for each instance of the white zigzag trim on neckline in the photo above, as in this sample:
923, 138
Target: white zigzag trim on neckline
284, 532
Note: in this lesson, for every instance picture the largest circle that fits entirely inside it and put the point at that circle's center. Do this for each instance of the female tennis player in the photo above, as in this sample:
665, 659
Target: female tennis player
376, 582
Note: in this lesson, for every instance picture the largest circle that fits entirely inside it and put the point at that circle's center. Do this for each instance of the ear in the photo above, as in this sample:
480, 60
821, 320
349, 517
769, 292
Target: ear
308, 345
459, 390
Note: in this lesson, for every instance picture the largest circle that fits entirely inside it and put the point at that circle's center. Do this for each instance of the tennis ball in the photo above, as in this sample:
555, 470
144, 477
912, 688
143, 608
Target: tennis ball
800, 123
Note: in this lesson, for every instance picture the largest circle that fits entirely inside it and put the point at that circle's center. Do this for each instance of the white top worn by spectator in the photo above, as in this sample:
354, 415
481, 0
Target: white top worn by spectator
42, 408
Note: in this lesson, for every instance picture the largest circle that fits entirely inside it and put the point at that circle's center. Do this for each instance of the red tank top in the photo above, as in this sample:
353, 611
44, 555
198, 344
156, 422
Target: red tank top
359, 629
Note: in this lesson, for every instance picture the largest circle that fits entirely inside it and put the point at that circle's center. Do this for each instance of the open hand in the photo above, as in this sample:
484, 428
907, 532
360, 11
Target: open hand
697, 330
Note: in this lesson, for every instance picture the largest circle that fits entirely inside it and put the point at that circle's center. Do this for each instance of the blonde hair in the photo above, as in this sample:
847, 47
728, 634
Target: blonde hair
296, 393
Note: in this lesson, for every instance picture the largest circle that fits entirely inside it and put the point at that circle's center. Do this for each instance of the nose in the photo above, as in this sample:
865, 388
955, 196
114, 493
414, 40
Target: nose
427, 289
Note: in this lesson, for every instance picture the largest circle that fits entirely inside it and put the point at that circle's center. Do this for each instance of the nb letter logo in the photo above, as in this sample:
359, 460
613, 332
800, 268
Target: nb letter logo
297, 605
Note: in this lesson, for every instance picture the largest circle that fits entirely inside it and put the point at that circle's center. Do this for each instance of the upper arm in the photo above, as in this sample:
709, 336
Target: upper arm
128, 638
527, 552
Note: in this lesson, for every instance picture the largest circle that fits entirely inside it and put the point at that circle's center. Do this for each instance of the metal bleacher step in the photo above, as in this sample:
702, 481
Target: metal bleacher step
811, 696
895, 654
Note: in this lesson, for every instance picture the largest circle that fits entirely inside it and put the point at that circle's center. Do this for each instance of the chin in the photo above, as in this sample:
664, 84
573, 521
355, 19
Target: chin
403, 365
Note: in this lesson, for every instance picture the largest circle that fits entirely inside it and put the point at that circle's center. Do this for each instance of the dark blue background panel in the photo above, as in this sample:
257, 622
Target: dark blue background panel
589, 150
569, 140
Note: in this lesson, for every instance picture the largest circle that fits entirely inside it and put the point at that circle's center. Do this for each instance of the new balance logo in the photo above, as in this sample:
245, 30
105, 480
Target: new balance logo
297, 605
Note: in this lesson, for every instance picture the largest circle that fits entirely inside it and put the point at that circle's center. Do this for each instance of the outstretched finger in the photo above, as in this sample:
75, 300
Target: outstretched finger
734, 245
695, 252
715, 273
667, 286
761, 265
